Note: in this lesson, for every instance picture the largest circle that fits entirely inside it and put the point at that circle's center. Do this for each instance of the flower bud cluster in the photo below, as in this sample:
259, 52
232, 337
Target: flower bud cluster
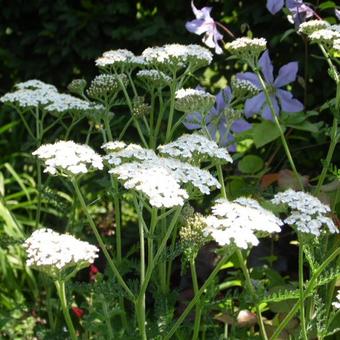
192, 234
193, 100
243, 88
325, 37
139, 107
105, 85
119, 60
77, 86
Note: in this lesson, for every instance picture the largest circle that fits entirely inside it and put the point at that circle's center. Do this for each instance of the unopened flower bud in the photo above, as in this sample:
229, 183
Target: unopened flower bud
191, 100
139, 108
243, 88
106, 85
245, 318
77, 86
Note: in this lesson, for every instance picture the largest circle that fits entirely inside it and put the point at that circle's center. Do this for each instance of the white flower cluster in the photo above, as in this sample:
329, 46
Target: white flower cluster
237, 222
245, 47
307, 212
35, 84
177, 55
138, 168
312, 26
336, 45
154, 77
62, 103
155, 182
196, 147
119, 152
325, 36
119, 58
35, 93
336, 304
50, 251
67, 157
192, 100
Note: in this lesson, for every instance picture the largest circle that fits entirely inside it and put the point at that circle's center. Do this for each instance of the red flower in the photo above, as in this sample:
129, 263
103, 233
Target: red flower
93, 272
79, 312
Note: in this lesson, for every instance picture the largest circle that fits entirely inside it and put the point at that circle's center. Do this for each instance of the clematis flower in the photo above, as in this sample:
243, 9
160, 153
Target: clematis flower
281, 99
204, 23
299, 11
222, 120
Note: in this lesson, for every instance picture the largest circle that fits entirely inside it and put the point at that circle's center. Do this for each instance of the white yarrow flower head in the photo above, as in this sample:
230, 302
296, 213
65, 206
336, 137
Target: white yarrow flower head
336, 46
193, 100
336, 304
325, 37
195, 148
307, 213
36, 94
157, 183
53, 253
68, 158
173, 57
312, 26
153, 78
119, 60
118, 152
247, 49
238, 222
35, 84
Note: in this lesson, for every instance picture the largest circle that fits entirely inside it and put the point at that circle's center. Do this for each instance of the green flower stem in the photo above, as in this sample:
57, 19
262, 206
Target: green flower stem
159, 118
172, 109
21, 114
334, 131
301, 288
71, 126
308, 291
197, 296
221, 180
116, 203
125, 128
198, 311
60, 285
160, 250
252, 291
38, 131
128, 100
152, 120
163, 265
100, 241
276, 120
140, 302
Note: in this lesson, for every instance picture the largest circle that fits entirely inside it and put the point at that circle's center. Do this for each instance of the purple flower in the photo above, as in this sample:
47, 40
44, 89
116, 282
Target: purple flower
298, 10
204, 23
280, 98
337, 13
218, 122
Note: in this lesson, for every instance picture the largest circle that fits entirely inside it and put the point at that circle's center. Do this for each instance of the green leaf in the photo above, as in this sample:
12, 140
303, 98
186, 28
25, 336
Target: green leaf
265, 132
327, 4
250, 164
287, 34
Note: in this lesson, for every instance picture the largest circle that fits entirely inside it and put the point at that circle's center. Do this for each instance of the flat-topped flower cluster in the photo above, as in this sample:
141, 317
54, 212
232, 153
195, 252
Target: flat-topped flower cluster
237, 222
68, 158
35, 93
49, 251
307, 213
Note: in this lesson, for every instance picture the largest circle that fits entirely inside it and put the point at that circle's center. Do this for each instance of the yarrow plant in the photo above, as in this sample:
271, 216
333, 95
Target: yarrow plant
181, 189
